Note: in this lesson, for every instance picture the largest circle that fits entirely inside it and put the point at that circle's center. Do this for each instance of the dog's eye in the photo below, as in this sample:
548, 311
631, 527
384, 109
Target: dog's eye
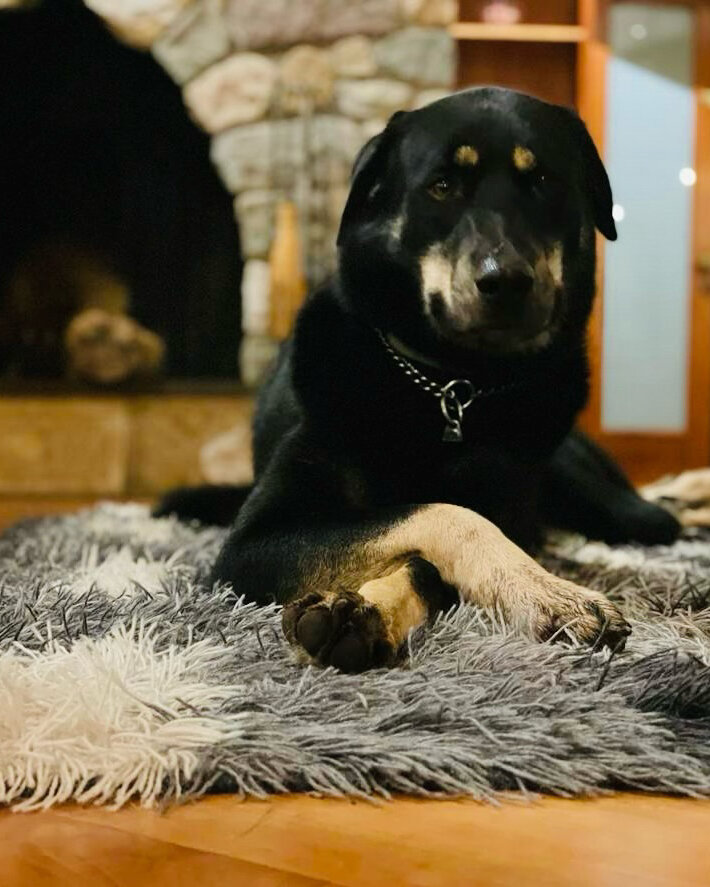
440, 189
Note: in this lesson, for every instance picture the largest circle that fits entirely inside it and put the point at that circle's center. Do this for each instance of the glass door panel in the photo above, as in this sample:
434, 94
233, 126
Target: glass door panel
650, 134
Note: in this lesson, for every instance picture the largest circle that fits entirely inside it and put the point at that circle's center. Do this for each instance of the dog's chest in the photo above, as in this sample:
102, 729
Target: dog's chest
486, 480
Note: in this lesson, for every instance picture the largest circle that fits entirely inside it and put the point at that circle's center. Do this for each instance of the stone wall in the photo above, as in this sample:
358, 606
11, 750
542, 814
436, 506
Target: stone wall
289, 91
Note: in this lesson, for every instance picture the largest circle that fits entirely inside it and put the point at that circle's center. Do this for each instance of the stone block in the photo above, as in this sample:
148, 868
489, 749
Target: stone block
137, 22
353, 57
430, 12
255, 215
255, 297
305, 80
364, 99
236, 90
196, 39
276, 153
258, 24
421, 55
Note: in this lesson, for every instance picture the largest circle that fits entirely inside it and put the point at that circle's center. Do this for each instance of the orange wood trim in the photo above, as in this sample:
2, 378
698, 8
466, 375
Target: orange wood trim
691, 448
646, 456
293, 841
698, 445
591, 94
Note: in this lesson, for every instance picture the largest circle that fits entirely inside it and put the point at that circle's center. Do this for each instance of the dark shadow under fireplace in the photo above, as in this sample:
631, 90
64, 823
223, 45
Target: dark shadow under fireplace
115, 230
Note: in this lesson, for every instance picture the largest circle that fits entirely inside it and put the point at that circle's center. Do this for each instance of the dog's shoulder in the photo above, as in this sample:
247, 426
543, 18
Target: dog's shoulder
332, 351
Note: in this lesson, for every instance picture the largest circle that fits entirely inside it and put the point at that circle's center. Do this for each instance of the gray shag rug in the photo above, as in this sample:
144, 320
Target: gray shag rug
122, 677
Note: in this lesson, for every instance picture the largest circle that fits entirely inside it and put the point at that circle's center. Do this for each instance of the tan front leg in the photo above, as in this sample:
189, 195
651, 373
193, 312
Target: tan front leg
359, 604
400, 606
489, 570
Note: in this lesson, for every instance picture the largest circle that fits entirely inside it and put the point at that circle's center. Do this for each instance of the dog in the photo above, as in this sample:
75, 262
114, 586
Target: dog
416, 433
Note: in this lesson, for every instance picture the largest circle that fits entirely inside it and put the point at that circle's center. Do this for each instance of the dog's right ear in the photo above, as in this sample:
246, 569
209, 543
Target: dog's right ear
368, 172
596, 180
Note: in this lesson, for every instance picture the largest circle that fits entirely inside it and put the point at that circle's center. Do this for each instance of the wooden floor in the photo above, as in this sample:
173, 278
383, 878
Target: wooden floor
614, 842
621, 841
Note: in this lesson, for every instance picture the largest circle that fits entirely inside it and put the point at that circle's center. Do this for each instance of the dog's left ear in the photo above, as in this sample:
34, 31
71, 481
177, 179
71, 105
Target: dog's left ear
595, 178
368, 171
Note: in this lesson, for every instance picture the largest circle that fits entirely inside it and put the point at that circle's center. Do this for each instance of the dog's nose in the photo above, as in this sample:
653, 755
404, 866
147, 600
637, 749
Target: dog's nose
496, 281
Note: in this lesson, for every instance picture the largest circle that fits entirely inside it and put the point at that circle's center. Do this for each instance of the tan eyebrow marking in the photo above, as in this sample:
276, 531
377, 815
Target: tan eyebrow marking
523, 158
466, 155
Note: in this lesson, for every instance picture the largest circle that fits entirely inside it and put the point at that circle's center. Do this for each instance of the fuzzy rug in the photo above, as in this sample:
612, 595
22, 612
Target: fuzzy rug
123, 677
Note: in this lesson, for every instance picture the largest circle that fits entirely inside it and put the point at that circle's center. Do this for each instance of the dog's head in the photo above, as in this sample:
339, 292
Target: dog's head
470, 224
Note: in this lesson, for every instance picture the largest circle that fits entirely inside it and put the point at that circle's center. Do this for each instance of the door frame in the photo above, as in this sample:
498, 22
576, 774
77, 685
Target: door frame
649, 454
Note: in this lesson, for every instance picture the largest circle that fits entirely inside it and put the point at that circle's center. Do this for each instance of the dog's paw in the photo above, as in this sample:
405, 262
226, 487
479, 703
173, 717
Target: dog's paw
562, 609
340, 629
107, 348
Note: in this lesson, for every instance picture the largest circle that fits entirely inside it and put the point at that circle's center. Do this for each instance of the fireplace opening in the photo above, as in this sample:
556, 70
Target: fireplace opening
119, 248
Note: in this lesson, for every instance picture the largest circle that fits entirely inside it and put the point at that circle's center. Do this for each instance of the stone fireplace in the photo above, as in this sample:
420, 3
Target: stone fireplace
276, 97
289, 90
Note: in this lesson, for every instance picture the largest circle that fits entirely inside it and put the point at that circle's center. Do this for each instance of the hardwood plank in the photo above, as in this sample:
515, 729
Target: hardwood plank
619, 840
46, 850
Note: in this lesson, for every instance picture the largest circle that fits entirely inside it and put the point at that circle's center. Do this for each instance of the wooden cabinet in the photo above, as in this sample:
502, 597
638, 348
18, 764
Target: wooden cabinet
539, 55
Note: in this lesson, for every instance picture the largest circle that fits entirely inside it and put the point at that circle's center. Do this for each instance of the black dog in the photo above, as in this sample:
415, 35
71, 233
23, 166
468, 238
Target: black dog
420, 417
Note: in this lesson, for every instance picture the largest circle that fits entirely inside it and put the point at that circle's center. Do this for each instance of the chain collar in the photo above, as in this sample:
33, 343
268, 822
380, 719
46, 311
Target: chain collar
454, 397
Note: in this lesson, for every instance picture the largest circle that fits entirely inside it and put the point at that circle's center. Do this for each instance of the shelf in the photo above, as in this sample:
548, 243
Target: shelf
522, 32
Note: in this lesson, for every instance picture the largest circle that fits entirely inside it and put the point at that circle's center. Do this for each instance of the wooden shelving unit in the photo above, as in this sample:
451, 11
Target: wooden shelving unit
540, 55
525, 33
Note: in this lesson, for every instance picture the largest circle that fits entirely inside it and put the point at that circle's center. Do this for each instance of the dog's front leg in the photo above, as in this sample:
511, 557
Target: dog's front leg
354, 587
475, 557
356, 609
